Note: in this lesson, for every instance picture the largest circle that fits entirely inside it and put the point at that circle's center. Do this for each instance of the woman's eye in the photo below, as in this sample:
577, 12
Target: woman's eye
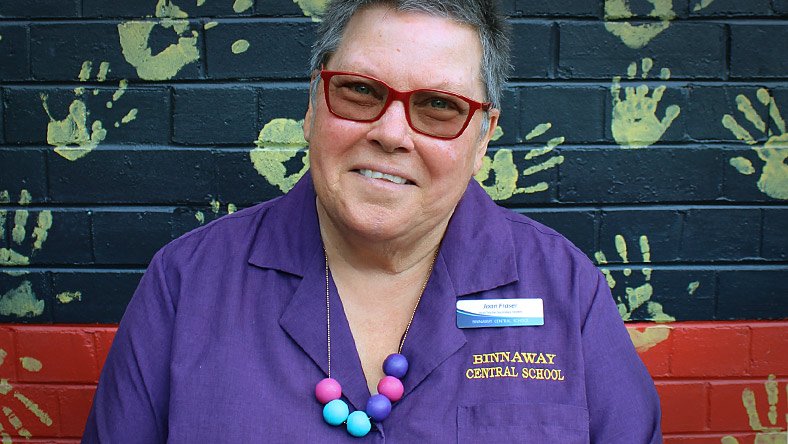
362, 89
438, 104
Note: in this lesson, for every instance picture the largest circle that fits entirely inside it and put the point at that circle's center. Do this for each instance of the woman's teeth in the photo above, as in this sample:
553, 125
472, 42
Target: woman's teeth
378, 175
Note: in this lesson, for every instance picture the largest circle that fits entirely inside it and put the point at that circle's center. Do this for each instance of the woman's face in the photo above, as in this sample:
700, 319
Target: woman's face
407, 51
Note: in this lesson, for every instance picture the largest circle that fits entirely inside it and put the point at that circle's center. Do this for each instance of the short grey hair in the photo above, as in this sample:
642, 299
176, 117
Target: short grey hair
482, 15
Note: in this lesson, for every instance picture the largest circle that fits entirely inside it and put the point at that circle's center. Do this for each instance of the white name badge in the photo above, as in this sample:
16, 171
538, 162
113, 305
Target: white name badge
478, 313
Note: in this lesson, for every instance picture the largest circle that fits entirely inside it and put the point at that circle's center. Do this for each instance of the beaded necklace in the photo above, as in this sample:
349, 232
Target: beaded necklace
390, 388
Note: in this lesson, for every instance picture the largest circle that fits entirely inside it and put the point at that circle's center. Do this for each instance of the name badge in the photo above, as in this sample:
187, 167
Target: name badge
478, 313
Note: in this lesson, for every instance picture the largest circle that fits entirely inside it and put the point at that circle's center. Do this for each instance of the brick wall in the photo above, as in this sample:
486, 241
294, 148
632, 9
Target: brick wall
614, 132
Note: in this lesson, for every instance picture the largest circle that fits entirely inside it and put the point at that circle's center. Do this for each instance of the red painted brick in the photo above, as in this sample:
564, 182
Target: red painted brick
8, 354
656, 357
710, 351
49, 441
769, 349
742, 438
103, 340
75, 405
684, 406
66, 354
728, 413
44, 405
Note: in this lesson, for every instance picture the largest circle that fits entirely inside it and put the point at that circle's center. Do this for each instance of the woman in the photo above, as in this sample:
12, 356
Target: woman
275, 324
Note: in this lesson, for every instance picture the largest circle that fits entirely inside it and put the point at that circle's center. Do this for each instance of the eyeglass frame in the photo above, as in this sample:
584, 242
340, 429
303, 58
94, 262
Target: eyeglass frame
404, 97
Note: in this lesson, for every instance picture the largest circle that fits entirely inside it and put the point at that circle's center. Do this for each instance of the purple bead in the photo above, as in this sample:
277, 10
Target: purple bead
391, 388
395, 365
378, 407
328, 390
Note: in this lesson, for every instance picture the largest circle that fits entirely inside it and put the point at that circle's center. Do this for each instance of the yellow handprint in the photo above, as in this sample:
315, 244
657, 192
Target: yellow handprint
166, 64
31, 365
639, 296
505, 171
70, 136
774, 177
312, 8
637, 36
216, 207
279, 141
772, 434
635, 123
10, 257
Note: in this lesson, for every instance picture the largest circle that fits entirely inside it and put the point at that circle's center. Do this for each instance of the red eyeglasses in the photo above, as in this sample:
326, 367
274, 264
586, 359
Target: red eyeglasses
362, 98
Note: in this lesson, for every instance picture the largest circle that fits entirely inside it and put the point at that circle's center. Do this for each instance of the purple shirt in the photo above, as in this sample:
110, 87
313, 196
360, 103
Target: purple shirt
225, 339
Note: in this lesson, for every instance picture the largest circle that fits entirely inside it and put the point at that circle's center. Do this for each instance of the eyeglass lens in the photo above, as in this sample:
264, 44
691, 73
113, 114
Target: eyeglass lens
431, 112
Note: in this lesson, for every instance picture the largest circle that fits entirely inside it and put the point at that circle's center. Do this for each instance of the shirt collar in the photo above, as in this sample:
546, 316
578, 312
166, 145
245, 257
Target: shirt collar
477, 249
290, 235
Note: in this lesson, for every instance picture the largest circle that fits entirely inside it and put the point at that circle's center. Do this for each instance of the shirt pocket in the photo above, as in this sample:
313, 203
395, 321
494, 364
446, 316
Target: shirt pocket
522, 423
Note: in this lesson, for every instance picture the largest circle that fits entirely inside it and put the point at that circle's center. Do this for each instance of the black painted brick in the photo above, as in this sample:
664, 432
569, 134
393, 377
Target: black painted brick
215, 115
532, 50
14, 53
39, 283
125, 237
661, 227
39, 8
721, 235
68, 240
640, 9
27, 120
104, 295
100, 8
241, 184
58, 50
2, 116
555, 8
781, 6
758, 51
706, 106
588, 50
775, 234
285, 102
752, 294
148, 175
509, 119
672, 291
601, 175
575, 112
733, 8
277, 50
278, 8
673, 95
577, 226
185, 219
670, 288
23, 169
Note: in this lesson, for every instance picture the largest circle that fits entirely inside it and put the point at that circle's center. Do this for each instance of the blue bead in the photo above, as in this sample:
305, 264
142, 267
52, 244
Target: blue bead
335, 412
378, 407
358, 424
395, 365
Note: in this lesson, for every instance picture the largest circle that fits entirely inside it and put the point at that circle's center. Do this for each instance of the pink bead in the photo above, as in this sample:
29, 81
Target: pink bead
391, 388
328, 390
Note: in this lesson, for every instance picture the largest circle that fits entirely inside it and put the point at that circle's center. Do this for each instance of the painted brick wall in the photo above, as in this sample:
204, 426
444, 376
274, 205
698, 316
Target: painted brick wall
650, 132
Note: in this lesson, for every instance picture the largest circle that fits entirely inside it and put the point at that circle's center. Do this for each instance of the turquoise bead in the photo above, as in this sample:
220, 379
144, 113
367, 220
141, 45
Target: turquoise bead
358, 424
336, 412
